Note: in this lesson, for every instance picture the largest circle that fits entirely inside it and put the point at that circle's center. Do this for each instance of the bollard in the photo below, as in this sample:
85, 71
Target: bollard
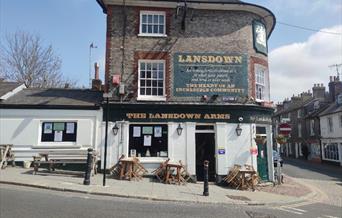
206, 187
88, 167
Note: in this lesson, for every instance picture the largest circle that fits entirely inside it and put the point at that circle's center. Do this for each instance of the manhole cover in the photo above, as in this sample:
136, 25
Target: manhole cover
253, 214
241, 198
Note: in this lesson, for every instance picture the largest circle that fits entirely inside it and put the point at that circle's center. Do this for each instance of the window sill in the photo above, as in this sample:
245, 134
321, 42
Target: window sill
152, 35
152, 159
150, 98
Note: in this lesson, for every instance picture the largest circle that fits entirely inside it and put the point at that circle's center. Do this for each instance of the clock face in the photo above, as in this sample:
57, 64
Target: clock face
260, 33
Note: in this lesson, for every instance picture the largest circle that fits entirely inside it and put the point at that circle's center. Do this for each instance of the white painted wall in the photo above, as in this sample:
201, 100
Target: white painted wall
337, 128
22, 128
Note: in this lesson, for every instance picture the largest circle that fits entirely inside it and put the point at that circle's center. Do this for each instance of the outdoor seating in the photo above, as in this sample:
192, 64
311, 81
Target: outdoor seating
6, 155
160, 172
53, 158
128, 168
242, 178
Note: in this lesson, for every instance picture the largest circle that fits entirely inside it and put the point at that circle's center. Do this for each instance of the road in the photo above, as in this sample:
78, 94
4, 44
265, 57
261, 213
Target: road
324, 178
28, 202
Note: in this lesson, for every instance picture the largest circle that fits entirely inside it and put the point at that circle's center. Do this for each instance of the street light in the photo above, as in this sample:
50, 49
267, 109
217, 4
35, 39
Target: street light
238, 130
179, 129
115, 129
106, 96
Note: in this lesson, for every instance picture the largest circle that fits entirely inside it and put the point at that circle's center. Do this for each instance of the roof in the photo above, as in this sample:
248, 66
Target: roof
333, 108
231, 5
54, 98
294, 106
6, 87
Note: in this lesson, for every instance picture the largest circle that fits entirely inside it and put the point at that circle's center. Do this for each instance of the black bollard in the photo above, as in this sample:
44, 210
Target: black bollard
206, 187
88, 168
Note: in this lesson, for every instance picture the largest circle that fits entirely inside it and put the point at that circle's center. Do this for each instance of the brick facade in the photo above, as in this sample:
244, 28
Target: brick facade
205, 31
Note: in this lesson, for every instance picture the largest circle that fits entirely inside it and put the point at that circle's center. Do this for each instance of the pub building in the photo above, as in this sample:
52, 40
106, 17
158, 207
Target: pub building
189, 80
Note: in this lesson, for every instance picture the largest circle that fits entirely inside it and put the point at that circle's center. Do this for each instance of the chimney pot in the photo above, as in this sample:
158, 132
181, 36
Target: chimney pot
97, 74
331, 78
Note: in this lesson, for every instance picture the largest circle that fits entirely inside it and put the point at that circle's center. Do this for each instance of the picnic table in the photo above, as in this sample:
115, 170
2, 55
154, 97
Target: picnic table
242, 177
6, 155
52, 158
175, 173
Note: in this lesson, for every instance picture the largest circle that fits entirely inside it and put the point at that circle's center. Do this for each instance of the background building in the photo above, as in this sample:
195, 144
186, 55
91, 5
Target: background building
190, 82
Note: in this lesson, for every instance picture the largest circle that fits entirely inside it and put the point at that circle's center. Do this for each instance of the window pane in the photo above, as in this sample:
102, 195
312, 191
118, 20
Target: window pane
155, 19
160, 92
161, 29
155, 74
161, 66
161, 75
149, 19
142, 91
149, 29
154, 66
142, 83
144, 19
161, 19
148, 83
143, 28
148, 66
154, 83
142, 66
160, 83
154, 91
148, 74
148, 91
142, 74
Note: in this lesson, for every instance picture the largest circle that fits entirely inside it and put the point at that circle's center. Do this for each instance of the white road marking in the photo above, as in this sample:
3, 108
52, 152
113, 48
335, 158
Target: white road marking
290, 211
296, 209
331, 216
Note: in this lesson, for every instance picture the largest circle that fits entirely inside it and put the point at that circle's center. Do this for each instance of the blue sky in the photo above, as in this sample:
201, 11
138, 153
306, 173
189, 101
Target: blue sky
71, 25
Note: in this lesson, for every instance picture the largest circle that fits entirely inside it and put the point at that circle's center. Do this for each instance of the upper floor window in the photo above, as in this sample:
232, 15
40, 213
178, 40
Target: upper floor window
330, 124
152, 23
151, 84
299, 113
261, 84
312, 127
299, 130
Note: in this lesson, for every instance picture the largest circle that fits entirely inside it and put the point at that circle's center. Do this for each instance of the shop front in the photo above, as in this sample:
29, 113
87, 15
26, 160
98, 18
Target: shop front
222, 134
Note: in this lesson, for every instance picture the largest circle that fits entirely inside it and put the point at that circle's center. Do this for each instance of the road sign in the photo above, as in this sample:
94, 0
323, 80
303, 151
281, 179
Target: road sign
284, 129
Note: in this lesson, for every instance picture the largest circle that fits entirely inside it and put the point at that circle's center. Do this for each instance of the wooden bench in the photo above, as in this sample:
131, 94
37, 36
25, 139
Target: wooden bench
6, 155
53, 158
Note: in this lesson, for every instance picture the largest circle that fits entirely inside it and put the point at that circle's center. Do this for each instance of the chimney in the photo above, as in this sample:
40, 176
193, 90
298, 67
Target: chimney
318, 91
96, 83
335, 88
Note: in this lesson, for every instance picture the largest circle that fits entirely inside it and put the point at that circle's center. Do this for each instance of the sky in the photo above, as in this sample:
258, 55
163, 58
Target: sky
298, 58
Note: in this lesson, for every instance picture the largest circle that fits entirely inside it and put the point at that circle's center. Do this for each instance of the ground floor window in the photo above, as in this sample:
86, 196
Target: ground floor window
59, 131
148, 140
331, 151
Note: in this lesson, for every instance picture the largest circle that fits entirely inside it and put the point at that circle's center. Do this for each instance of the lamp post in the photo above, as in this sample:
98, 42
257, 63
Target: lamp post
106, 96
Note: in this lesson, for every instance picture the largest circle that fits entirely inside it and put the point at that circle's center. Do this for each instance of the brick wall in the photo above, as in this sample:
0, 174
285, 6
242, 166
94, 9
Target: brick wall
206, 31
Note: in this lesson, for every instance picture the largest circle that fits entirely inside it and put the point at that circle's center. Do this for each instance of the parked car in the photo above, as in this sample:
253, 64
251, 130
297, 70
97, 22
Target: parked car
276, 157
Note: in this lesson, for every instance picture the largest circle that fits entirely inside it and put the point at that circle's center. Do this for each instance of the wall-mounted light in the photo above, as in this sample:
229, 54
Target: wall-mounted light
238, 129
115, 129
179, 129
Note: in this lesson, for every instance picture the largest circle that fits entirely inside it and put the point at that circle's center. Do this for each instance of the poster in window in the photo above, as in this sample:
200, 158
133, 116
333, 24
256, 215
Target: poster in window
70, 128
158, 131
136, 131
148, 130
58, 126
58, 136
147, 140
47, 128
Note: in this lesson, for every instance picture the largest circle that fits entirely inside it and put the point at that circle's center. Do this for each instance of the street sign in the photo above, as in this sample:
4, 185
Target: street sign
284, 129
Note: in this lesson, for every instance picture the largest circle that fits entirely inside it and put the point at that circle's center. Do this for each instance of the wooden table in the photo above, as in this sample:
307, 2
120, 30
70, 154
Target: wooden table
178, 178
244, 182
131, 168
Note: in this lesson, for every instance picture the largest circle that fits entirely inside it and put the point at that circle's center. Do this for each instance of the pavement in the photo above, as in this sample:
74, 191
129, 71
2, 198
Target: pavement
150, 190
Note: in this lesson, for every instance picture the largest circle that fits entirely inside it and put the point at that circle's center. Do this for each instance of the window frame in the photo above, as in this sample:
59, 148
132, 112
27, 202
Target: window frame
312, 127
45, 141
146, 12
261, 82
331, 152
151, 97
299, 130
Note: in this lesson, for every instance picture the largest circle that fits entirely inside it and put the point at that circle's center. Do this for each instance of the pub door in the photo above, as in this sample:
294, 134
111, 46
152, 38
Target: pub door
205, 150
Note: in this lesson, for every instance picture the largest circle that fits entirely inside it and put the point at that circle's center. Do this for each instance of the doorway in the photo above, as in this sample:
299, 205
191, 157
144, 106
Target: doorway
205, 150
261, 141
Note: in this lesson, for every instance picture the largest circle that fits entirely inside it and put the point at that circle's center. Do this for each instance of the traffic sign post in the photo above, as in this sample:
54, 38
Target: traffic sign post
285, 129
